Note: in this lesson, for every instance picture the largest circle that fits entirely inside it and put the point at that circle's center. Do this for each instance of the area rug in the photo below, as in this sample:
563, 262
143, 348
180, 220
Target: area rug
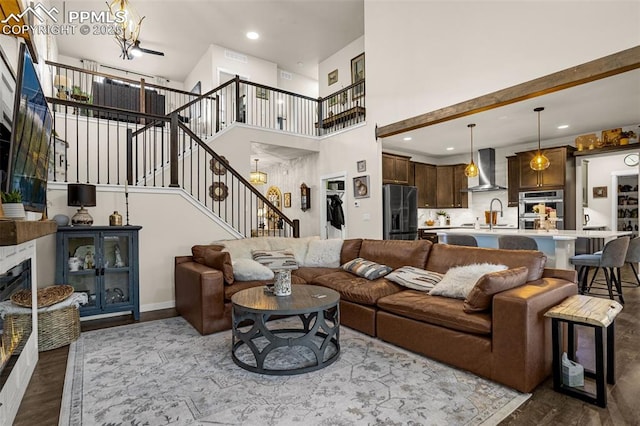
165, 373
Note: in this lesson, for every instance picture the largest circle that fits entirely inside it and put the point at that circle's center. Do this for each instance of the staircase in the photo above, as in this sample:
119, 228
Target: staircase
117, 144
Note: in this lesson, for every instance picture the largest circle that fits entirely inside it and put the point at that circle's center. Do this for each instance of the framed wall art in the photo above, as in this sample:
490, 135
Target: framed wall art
599, 192
262, 93
362, 166
332, 77
357, 75
361, 187
287, 199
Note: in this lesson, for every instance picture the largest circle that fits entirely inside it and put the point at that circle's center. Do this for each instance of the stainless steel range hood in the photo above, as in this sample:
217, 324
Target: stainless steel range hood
486, 172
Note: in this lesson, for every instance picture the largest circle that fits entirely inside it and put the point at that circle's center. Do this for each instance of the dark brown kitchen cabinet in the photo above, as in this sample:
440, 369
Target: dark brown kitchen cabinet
552, 178
460, 182
451, 179
513, 179
424, 178
395, 169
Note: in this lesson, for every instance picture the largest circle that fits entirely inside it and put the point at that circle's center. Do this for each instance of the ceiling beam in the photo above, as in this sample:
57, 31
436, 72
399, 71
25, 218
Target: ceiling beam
597, 69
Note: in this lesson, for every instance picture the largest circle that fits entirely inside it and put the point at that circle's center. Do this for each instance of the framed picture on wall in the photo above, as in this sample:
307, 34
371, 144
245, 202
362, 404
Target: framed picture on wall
599, 192
262, 93
287, 199
361, 187
362, 166
357, 75
332, 78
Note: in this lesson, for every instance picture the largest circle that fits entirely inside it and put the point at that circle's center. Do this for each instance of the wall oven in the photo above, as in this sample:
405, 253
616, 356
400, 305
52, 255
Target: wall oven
550, 198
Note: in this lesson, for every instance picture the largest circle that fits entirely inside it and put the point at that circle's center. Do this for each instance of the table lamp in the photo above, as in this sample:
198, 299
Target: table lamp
82, 195
61, 83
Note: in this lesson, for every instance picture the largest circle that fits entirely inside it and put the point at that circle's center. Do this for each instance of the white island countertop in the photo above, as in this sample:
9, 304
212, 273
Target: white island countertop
558, 245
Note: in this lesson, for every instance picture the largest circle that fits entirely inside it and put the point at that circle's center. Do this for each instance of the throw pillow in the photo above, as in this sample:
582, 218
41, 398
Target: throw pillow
458, 281
275, 259
324, 253
415, 278
366, 268
221, 261
250, 270
480, 296
241, 249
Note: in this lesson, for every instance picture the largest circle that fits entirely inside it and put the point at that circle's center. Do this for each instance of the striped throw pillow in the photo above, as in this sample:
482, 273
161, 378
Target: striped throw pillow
415, 278
366, 268
275, 259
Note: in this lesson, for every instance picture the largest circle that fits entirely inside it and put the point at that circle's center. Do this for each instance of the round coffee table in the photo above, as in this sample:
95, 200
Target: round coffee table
319, 329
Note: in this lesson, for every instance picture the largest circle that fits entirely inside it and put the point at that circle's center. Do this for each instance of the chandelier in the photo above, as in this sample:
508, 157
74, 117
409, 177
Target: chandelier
258, 177
128, 26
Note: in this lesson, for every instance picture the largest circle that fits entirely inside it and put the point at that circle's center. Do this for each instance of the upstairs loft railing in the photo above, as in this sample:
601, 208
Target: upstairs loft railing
236, 101
97, 144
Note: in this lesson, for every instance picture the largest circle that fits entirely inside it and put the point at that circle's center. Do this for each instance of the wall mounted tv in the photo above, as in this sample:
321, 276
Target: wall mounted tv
30, 137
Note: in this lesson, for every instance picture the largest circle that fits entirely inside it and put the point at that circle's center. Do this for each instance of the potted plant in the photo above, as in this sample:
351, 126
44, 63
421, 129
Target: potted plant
442, 217
12, 204
623, 138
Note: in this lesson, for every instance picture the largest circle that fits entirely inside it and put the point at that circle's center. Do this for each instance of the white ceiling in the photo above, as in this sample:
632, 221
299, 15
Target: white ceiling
295, 34
589, 108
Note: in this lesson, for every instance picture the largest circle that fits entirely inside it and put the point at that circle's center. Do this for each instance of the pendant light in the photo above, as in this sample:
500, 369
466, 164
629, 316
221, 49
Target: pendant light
539, 162
258, 177
471, 170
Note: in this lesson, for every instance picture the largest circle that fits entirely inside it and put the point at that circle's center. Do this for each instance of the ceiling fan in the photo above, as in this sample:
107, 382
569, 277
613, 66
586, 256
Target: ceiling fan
136, 50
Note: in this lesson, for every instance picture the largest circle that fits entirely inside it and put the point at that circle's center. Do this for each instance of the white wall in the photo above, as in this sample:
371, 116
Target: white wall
341, 61
256, 69
300, 84
203, 72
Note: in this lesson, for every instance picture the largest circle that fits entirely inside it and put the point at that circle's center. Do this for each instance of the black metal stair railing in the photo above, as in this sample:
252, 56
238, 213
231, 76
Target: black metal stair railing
165, 151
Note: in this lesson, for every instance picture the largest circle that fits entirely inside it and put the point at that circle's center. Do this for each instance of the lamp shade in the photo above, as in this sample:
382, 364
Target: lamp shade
81, 195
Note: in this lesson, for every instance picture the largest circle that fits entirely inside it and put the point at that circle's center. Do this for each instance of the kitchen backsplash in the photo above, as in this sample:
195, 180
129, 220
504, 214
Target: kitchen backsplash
478, 203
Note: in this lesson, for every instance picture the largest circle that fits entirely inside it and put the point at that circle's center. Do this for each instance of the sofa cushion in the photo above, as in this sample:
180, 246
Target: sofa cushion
221, 261
366, 268
241, 249
197, 251
357, 289
459, 281
230, 290
275, 259
442, 311
415, 278
397, 253
307, 273
480, 296
299, 246
250, 270
445, 256
350, 250
324, 253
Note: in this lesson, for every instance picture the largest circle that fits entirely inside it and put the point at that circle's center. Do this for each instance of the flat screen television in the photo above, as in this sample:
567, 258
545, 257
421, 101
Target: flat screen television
30, 137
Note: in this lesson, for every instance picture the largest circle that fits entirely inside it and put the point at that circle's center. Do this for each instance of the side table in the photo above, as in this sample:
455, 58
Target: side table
591, 312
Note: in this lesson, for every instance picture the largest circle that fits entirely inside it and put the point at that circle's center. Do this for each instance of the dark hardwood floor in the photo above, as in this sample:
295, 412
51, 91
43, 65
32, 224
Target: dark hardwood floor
41, 403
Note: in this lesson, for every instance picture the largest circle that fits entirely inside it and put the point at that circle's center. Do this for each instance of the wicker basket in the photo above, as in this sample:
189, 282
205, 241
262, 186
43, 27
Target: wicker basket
56, 328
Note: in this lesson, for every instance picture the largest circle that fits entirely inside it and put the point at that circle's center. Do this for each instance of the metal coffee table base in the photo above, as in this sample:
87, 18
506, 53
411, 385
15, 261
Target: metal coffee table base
329, 332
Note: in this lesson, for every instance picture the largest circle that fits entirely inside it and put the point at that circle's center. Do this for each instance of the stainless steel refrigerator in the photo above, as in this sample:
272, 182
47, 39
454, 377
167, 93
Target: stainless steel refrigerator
400, 212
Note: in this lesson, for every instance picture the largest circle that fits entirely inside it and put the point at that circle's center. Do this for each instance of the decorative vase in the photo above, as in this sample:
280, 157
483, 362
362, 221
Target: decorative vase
442, 220
282, 283
14, 211
115, 219
623, 141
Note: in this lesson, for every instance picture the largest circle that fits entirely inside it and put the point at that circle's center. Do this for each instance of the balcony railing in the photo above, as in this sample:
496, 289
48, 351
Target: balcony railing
236, 101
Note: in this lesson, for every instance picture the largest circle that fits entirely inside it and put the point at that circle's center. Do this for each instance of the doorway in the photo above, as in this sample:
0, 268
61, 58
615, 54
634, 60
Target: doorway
334, 196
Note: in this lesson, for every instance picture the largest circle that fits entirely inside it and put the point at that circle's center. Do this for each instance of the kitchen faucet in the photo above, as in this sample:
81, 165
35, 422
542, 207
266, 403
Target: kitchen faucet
491, 211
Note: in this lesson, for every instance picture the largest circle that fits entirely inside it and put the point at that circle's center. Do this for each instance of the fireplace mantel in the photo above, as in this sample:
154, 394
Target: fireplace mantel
14, 232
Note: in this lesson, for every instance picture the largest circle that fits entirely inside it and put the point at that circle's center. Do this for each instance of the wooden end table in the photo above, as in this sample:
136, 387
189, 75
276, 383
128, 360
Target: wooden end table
591, 312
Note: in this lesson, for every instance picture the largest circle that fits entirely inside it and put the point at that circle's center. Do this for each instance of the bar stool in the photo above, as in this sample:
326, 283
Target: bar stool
462, 240
517, 242
632, 257
613, 256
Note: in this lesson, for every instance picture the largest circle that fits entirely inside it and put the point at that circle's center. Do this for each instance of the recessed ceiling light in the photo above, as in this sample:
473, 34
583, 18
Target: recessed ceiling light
450, 148
253, 35
563, 126
408, 138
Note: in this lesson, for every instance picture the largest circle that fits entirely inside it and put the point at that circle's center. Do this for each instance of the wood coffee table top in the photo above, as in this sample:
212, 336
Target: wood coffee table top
303, 299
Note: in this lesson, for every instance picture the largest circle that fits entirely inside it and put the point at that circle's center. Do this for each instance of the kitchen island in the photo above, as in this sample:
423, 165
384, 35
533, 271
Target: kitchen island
558, 245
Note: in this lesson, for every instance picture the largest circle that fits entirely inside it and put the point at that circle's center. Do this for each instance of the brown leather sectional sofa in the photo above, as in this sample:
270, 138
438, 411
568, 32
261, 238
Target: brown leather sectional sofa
509, 344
